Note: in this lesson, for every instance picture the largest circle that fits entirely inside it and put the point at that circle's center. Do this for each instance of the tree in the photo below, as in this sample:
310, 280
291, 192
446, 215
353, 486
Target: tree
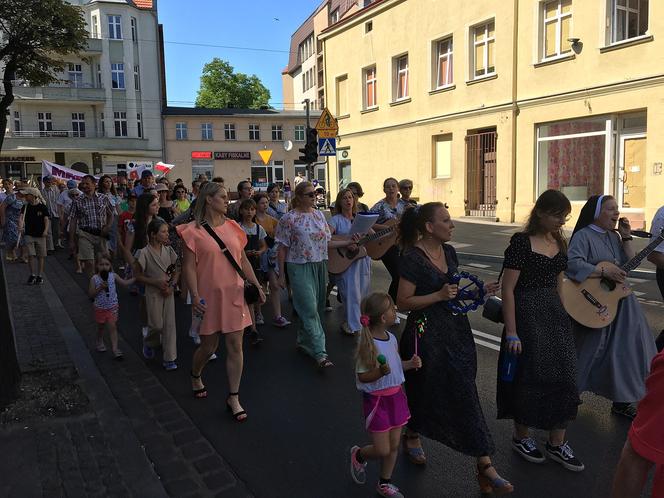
222, 87
35, 36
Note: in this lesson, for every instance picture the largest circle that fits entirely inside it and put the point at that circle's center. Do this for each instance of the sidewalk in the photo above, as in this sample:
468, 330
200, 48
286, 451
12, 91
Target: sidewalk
87, 425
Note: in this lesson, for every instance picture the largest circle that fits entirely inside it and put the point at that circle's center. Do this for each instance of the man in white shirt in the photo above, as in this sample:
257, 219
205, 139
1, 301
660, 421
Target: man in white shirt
298, 179
657, 258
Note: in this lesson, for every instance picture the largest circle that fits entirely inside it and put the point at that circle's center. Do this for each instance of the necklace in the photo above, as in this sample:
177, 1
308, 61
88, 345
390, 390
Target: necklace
431, 257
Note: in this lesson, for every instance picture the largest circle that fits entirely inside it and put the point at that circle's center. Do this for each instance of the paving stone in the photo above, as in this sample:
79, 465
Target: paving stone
178, 425
184, 437
196, 450
221, 479
208, 464
180, 487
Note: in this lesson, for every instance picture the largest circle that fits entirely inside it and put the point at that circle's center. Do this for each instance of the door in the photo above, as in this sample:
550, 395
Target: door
481, 173
633, 169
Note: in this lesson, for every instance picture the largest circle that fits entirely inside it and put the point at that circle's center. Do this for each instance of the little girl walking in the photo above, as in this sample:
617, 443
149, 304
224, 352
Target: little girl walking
104, 293
380, 376
156, 267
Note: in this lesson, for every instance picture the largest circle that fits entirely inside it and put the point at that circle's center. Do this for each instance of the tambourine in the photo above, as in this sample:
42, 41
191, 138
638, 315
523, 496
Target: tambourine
471, 294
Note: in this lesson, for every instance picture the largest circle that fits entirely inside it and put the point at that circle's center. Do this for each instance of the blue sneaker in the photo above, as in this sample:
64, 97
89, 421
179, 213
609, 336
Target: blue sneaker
148, 352
170, 365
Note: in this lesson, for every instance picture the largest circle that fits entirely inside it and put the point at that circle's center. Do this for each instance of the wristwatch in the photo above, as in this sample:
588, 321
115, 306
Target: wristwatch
627, 239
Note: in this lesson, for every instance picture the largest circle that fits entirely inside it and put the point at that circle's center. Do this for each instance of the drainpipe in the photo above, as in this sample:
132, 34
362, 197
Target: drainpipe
515, 109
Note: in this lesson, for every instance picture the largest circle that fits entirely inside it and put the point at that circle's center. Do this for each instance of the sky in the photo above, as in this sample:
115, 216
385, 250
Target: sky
248, 24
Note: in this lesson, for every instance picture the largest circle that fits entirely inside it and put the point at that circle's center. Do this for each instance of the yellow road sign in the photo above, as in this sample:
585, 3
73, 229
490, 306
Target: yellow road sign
327, 124
265, 154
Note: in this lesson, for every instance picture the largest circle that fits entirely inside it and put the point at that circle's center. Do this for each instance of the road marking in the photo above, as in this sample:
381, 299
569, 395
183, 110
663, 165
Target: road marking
478, 265
638, 294
487, 344
487, 336
507, 234
458, 245
636, 280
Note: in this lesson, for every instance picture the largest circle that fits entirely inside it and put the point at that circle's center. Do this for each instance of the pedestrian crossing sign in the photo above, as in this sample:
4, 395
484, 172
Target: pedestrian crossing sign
327, 146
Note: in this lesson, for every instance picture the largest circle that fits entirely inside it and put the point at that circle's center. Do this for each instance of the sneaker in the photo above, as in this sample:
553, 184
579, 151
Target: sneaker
527, 448
564, 455
194, 337
280, 322
170, 365
328, 305
144, 332
625, 409
148, 352
388, 489
357, 469
259, 319
255, 337
32, 279
39, 280
212, 357
345, 329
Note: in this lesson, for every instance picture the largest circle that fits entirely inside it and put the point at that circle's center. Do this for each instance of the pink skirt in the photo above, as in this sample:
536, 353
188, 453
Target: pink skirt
384, 412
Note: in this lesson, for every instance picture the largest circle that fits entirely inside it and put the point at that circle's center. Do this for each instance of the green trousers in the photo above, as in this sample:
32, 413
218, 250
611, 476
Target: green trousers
309, 284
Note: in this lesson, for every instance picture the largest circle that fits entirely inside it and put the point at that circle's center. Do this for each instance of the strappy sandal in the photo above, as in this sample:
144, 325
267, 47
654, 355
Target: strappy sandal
325, 363
240, 416
199, 393
498, 486
415, 455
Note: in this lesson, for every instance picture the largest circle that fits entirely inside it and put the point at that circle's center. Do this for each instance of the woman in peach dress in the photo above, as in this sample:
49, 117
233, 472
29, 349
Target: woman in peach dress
210, 276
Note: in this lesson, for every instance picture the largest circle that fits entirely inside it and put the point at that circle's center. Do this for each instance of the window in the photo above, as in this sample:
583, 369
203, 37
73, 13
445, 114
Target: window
277, 133
134, 30
629, 19
334, 16
78, 124
483, 50
99, 85
75, 75
254, 132
342, 95
115, 27
299, 133
206, 131
137, 79
94, 32
120, 119
306, 48
139, 125
572, 156
368, 27
117, 76
400, 85
17, 121
443, 63
308, 79
369, 77
45, 123
102, 124
556, 23
181, 131
229, 131
442, 156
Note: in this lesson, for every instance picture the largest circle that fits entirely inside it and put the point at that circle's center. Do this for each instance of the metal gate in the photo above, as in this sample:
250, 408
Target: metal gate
481, 174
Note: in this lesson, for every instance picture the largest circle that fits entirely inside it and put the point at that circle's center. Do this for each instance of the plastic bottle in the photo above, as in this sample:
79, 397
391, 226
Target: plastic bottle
508, 367
197, 318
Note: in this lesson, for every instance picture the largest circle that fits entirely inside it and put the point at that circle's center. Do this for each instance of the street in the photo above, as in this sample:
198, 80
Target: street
303, 422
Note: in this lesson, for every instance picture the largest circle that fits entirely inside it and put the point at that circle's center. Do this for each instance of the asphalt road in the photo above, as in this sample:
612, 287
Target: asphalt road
302, 422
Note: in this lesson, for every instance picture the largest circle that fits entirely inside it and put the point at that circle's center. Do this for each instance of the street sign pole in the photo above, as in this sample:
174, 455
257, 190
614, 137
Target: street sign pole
310, 166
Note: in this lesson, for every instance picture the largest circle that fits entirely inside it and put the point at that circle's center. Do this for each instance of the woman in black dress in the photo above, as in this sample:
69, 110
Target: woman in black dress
442, 395
543, 393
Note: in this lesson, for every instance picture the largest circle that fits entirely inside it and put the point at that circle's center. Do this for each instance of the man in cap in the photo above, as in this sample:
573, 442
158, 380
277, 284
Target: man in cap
91, 218
34, 223
50, 194
147, 183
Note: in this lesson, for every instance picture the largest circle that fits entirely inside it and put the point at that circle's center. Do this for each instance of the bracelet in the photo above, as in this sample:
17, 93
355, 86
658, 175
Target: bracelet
511, 338
627, 239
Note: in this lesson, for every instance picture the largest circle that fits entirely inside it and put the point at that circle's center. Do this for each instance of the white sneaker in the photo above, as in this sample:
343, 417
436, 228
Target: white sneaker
259, 319
194, 337
213, 357
145, 331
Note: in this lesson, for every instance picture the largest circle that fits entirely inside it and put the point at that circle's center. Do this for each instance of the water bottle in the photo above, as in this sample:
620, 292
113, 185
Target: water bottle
508, 367
196, 320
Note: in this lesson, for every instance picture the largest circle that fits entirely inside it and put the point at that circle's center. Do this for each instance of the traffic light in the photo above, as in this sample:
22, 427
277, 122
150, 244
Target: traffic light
310, 150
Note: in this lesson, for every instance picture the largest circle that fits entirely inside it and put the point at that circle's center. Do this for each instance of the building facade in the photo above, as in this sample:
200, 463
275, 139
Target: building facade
226, 143
485, 105
105, 112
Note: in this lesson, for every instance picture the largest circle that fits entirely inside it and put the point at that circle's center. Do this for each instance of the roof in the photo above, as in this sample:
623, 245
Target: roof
143, 4
345, 20
230, 111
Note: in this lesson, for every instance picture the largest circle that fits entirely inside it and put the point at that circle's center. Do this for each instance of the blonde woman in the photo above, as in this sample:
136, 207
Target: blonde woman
211, 277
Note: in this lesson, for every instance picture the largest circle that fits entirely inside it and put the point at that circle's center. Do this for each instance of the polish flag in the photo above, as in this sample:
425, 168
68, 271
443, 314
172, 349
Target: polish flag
163, 167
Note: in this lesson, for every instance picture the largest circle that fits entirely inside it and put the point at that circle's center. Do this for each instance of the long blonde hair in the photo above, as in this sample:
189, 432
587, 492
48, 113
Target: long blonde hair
208, 190
373, 307
297, 194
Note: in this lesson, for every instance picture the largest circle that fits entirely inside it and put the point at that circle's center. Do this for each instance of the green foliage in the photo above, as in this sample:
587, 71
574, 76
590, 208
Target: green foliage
222, 87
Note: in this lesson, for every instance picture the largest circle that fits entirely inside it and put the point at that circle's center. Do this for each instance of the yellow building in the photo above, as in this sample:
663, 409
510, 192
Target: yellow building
226, 143
486, 104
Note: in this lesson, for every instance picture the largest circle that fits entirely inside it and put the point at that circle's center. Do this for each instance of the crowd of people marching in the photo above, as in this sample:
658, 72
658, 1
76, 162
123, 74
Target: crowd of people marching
226, 259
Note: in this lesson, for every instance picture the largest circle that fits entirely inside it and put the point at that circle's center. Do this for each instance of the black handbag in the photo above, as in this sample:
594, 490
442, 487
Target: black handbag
251, 291
493, 307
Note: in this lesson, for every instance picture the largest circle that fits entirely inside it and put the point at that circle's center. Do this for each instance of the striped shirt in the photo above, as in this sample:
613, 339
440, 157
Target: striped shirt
51, 195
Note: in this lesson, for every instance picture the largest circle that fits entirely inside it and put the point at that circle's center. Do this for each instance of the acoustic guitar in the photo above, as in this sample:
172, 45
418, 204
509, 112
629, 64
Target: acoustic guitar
341, 258
594, 302
377, 247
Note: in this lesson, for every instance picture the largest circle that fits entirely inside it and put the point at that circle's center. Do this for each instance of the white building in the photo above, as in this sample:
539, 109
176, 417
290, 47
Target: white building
105, 111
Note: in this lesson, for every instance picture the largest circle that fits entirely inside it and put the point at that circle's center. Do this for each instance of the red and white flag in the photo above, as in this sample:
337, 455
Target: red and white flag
163, 167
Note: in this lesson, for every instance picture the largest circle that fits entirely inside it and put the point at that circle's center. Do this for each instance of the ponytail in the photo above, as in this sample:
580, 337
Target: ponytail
373, 308
413, 222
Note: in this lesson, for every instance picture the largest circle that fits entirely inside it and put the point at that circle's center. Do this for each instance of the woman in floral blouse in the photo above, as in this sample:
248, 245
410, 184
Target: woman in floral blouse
303, 236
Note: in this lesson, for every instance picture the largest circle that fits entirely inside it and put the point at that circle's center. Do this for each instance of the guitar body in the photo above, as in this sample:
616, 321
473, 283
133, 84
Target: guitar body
593, 302
376, 249
339, 259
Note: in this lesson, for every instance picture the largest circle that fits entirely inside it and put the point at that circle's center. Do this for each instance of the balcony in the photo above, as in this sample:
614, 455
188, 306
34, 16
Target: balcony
69, 140
63, 91
93, 46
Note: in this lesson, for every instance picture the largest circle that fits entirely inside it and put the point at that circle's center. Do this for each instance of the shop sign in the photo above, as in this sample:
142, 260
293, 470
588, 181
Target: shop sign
198, 154
18, 159
232, 156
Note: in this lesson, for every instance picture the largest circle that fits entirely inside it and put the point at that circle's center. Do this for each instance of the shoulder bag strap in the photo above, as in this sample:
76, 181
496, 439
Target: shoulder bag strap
224, 249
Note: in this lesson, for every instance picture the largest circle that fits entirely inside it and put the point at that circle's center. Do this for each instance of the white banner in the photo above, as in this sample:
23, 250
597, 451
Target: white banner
62, 172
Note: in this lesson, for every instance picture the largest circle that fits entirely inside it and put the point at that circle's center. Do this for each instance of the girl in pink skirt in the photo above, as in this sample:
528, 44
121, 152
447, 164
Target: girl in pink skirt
380, 376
